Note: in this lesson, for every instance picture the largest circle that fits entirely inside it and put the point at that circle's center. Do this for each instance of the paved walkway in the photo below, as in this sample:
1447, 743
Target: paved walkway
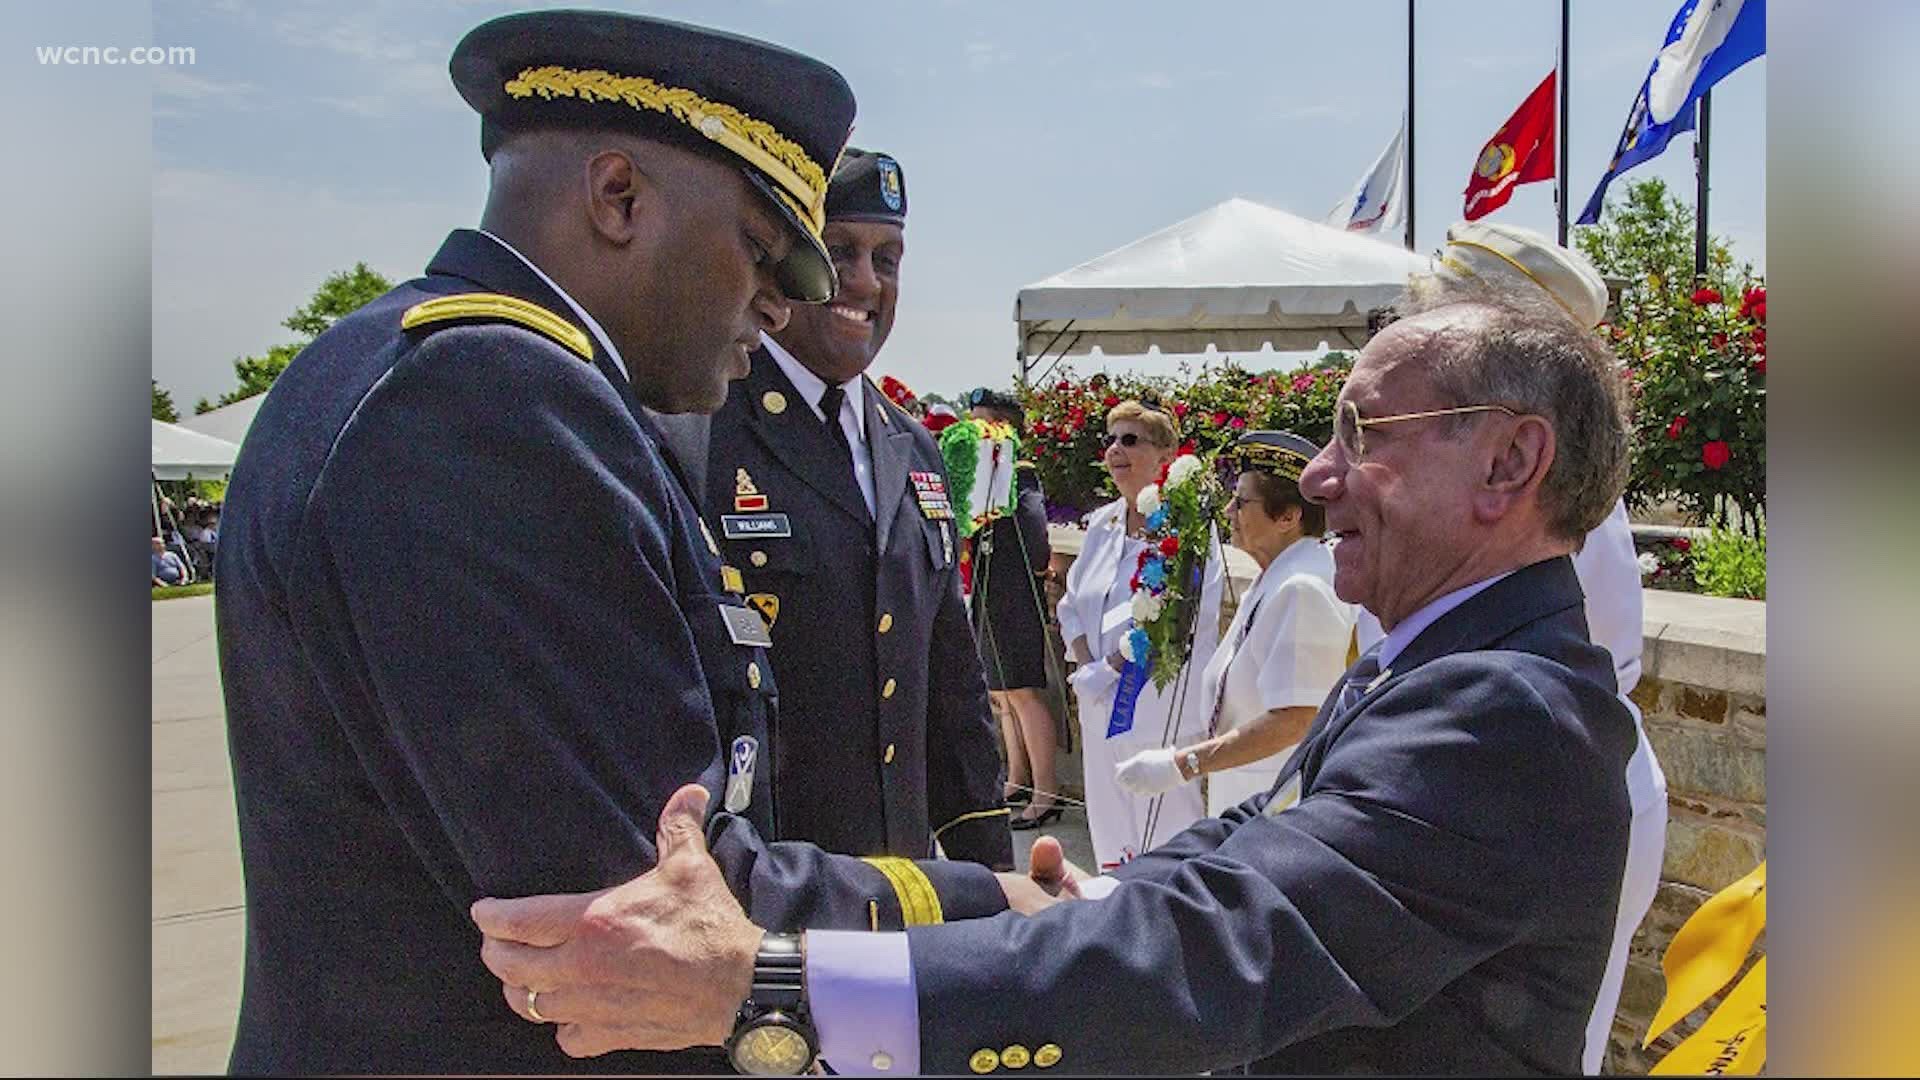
198, 913
198, 903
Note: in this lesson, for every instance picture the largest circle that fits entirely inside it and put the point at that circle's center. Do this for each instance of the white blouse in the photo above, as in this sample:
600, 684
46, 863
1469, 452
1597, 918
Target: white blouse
1286, 647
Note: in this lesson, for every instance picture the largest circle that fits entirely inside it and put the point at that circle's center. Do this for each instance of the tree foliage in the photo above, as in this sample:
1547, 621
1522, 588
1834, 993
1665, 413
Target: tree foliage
341, 294
163, 405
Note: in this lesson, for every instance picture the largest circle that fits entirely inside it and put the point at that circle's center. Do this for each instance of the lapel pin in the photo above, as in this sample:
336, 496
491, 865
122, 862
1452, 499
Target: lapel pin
774, 402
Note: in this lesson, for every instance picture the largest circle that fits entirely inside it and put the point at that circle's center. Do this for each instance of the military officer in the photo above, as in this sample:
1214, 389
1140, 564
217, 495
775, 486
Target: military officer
833, 504
432, 697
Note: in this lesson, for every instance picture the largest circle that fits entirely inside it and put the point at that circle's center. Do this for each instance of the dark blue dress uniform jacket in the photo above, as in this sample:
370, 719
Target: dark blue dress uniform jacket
885, 736
470, 638
1440, 900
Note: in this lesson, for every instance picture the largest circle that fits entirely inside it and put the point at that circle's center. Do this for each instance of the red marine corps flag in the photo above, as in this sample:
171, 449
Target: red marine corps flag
1519, 153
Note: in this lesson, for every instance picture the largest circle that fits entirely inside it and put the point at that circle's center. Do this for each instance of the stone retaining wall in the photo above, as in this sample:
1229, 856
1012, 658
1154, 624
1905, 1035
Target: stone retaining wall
1703, 695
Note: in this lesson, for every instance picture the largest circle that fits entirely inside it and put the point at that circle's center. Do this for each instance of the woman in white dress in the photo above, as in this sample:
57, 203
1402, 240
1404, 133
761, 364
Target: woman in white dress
1286, 647
1096, 612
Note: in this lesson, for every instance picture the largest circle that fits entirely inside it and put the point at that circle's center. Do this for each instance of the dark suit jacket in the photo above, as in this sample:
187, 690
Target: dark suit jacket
1440, 900
470, 638
886, 740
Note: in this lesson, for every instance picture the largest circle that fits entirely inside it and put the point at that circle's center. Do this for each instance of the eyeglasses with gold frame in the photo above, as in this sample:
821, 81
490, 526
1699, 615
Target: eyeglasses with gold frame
1350, 428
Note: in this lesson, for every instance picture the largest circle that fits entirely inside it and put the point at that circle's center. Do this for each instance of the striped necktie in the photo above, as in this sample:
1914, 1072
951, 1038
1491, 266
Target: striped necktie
1360, 679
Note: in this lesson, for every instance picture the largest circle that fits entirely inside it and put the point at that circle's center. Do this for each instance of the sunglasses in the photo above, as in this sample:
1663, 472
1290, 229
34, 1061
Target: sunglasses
1128, 440
1350, 428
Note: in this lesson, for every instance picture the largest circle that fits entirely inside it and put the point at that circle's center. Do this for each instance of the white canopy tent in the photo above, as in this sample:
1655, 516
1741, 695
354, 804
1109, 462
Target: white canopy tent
229, 422
1237, 276
180, 454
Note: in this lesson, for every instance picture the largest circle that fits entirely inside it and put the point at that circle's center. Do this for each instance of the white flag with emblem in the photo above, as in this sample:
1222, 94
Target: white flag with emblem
1378, 203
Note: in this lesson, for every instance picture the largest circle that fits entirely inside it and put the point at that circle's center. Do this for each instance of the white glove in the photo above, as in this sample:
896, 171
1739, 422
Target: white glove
1149, 772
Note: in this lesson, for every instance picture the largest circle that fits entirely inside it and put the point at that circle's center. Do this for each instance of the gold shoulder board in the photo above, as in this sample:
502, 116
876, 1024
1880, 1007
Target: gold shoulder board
494, 306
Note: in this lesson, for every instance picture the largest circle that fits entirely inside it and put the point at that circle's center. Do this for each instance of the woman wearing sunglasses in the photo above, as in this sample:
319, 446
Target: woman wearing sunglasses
1096, 613
1286, 647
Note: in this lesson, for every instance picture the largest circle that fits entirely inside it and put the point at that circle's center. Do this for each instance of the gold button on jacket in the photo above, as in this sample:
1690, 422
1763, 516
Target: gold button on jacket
1047, 1056
1014, 1057
983, 1061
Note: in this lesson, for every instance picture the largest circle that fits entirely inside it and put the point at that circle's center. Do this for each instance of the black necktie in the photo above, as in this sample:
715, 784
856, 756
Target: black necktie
830, 403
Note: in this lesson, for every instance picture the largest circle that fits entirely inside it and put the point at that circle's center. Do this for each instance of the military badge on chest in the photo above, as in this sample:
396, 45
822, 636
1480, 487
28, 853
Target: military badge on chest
931, 489
752, 519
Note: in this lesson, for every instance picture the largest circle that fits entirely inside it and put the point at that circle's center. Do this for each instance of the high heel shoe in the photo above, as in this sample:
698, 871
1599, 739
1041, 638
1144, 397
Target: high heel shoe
1021, 823
1018, 800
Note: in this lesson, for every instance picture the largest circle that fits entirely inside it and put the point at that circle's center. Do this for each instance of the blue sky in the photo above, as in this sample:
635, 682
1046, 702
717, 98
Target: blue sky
1034, 136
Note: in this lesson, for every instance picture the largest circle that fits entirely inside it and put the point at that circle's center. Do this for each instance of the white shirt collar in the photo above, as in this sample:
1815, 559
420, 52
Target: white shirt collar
1407, 629
1297, 552
810, 386
593, 327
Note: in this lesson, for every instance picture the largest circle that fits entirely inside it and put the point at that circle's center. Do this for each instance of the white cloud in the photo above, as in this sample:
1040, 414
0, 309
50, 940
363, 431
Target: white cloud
1156, 80
982, 55
176, 84
1306, 114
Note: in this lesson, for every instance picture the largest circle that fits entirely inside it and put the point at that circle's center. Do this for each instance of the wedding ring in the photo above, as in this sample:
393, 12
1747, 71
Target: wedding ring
532, 1011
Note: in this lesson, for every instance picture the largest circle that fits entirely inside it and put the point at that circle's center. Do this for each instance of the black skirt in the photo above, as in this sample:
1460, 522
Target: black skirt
1008, 601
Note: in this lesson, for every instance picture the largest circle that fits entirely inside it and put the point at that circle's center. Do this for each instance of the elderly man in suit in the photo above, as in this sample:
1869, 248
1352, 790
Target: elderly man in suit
1430, 885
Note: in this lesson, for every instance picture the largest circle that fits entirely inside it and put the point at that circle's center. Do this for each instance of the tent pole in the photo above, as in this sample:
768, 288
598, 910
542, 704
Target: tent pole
153, 494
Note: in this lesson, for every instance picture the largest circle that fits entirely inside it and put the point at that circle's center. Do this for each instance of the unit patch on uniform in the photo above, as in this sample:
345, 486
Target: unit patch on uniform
746, 497
767, 604
755, 526
740, 763
930, 488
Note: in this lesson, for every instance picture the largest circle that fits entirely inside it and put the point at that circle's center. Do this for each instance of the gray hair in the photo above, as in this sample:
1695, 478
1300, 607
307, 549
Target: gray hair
1526, 353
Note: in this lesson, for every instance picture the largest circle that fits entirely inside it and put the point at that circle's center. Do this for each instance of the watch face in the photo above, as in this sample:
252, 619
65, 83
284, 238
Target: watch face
772, 1049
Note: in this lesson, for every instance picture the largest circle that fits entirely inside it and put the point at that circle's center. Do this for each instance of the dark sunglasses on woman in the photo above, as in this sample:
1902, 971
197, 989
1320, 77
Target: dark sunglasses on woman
1128, 440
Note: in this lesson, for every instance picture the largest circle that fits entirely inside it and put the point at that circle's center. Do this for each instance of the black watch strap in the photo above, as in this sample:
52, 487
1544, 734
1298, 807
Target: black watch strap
779, 975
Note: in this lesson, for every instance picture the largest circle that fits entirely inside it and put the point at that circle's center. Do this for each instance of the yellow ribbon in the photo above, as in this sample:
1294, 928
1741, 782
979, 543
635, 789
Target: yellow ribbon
1733, 1041
1710, 948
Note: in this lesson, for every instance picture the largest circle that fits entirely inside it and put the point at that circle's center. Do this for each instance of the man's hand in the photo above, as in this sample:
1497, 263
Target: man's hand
1050, 878
1150, 772
659, 963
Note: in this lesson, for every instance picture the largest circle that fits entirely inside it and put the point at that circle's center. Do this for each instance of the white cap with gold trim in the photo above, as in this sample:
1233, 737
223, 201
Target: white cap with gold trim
1498, 254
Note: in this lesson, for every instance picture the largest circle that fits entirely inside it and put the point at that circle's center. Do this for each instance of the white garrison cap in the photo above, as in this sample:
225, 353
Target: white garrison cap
1502, 254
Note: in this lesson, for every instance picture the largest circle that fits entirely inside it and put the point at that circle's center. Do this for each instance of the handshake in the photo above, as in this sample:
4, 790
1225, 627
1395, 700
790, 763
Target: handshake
594, 963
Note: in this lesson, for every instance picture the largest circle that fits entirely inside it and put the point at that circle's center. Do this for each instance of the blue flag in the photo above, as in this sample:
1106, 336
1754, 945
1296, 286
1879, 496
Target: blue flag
1707, 41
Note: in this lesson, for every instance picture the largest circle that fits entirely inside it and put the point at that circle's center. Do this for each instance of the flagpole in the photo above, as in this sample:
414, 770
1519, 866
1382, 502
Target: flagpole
1560, 158
1700, 192
1410, 188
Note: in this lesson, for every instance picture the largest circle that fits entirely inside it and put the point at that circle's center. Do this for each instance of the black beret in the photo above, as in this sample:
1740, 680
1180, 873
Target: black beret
1279, 452
782, 117
868, 186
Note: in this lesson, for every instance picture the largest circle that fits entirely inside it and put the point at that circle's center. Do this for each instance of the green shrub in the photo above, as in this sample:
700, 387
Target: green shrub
1729, 563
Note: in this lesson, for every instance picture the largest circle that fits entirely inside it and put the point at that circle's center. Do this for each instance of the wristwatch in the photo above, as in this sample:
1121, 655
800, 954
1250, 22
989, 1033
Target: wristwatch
1193, 765
773, 1032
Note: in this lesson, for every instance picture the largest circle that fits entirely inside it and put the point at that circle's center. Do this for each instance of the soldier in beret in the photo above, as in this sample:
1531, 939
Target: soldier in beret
432, 697
833, 503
